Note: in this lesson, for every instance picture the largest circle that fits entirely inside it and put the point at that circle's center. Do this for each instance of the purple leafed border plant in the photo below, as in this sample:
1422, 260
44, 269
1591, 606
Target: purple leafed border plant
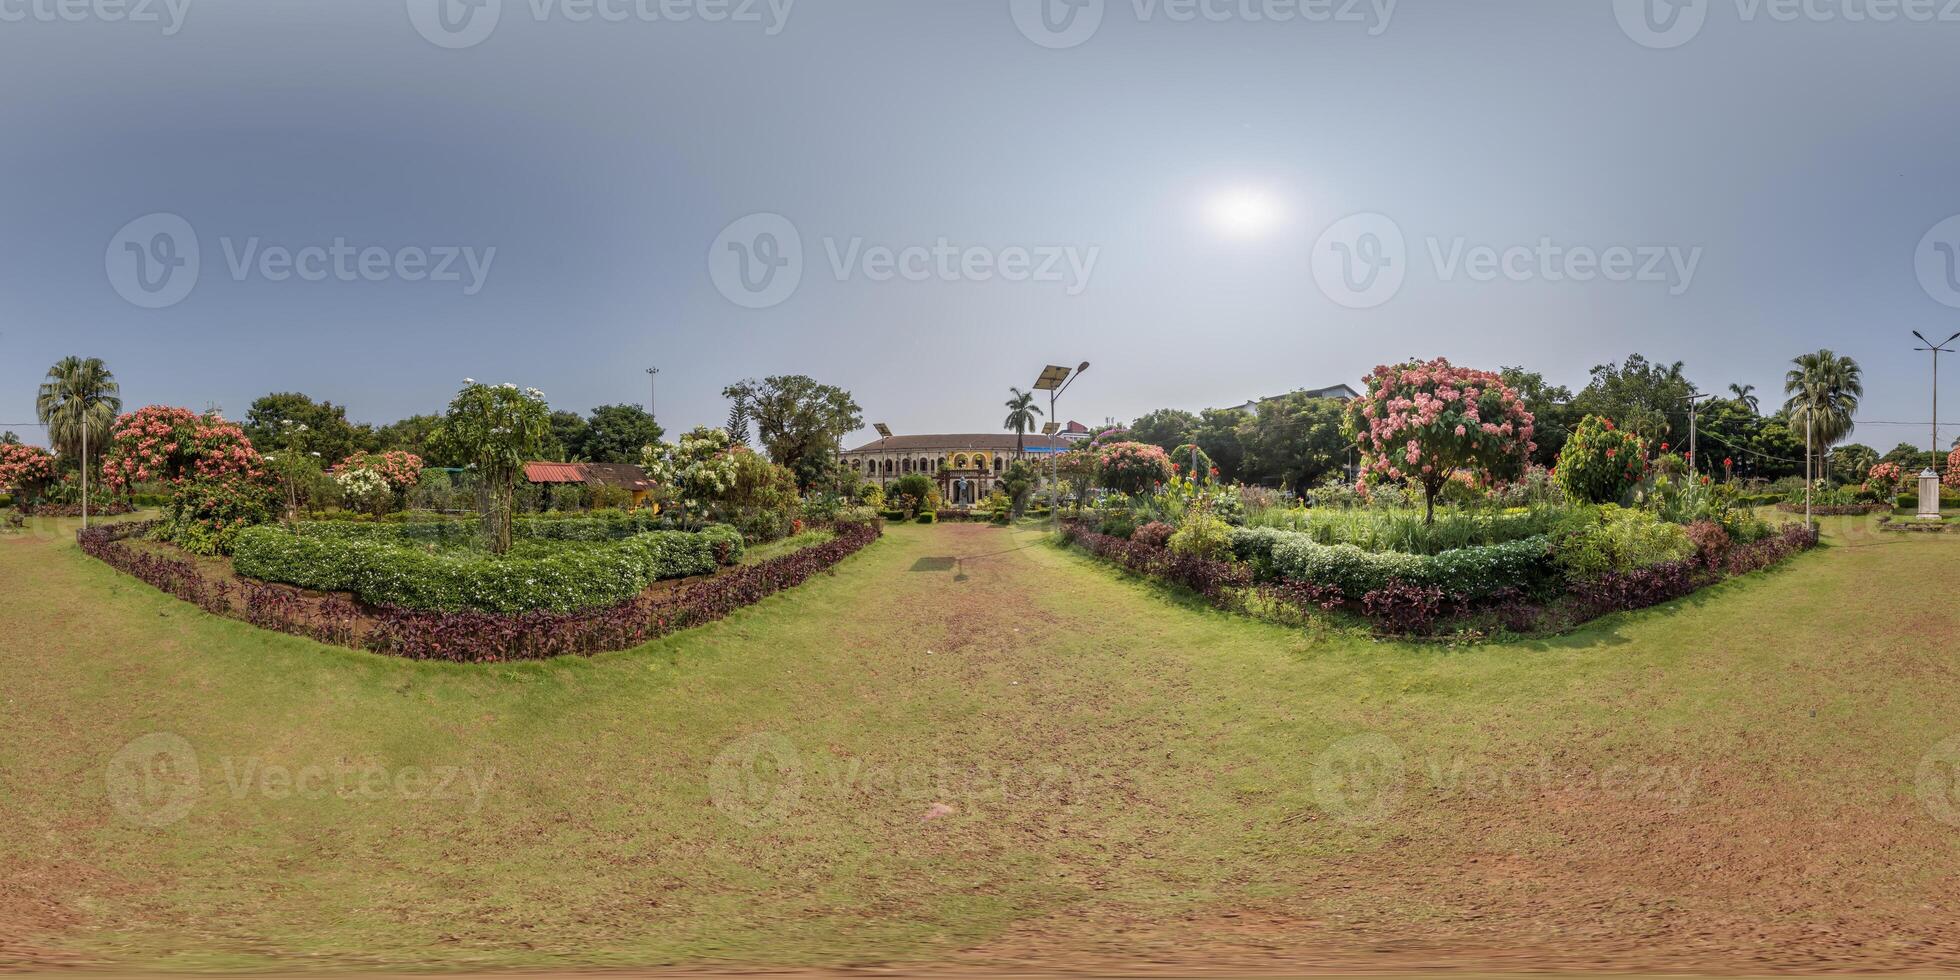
1403, 609
473, 637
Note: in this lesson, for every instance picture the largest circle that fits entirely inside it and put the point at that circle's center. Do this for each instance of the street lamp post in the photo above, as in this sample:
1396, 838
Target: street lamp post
651, 372
1054, 380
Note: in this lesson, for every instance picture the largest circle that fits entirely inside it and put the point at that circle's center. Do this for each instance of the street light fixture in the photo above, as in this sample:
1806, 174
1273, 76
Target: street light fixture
1054, 380
650, 376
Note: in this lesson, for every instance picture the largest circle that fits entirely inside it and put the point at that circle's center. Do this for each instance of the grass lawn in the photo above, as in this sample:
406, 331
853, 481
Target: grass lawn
970, 747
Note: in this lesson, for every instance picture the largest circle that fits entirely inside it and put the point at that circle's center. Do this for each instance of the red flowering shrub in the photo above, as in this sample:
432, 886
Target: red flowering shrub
1601, 463
1424, 421
1405, 607
219, 483
158, 443
27, 470
1134, 467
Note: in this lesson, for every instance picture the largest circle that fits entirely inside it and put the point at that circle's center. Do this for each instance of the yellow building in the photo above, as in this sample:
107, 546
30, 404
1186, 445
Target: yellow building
965, 466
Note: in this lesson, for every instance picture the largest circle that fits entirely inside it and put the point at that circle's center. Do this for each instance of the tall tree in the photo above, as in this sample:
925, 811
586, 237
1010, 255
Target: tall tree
1218, 435
1823, 389
1643, 397
1021, 412
78, 402
566, 440
1294, 441
1745, 395
271, 418
799, 422
1165, 428
413, 435
738, 421
617, 434
1550, 405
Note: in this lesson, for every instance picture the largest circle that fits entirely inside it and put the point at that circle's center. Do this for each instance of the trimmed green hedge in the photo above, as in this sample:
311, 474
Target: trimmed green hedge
396, 571
1478, 572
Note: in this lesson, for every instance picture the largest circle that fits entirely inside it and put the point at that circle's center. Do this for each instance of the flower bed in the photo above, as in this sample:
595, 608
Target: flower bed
469, 637
381, 565
1517, 586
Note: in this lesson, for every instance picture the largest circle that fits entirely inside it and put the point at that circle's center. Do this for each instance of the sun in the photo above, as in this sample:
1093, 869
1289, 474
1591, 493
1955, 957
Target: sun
1244, 212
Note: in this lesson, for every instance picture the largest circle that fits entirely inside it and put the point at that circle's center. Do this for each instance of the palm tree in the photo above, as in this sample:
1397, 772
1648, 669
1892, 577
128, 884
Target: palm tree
1746, 396
78, 402
1824, 389
1021, 411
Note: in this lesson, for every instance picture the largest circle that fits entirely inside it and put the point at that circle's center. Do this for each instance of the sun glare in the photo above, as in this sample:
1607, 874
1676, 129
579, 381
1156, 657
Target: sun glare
1244, 212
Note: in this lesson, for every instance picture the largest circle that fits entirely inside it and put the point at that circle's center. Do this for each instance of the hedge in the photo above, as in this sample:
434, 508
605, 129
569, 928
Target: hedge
1476, 572
471, 637
390, 571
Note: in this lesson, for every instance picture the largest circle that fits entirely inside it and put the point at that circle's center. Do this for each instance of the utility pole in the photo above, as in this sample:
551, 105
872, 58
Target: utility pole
1694, 455
1937, 350
651, 372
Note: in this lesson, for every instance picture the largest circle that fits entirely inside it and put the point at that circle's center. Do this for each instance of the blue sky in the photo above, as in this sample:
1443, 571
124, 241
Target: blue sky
1158, 188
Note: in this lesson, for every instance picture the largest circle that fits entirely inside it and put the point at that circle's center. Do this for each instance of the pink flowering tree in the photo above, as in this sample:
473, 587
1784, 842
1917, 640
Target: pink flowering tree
1134, 467
218, 482
25, 470
1952, 478
1422, 422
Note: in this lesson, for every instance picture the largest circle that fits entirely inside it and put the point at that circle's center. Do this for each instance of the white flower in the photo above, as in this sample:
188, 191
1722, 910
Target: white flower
469, 381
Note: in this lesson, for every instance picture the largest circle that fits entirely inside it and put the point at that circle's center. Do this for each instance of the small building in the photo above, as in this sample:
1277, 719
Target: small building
625, 476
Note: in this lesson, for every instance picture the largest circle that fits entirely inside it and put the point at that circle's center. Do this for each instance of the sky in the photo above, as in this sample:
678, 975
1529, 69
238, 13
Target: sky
925, 201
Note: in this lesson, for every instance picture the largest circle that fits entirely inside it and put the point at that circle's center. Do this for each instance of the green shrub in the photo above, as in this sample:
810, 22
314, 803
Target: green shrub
384, 572
1475, 571
928, 517
1616, 539
1204, 536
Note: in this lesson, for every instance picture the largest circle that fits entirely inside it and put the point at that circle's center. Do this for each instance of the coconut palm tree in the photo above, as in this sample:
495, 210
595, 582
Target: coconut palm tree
1745, 395
79, 400
1824, 389
1021, 411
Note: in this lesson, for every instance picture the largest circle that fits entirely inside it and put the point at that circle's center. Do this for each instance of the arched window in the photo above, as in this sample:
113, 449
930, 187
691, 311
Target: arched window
997, 464
959, 462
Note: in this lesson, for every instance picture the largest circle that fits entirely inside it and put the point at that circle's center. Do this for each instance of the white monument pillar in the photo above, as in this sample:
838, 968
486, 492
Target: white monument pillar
1929, 495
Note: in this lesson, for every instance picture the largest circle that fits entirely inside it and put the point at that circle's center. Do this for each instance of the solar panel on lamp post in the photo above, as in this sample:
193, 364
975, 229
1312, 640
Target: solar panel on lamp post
1054, 380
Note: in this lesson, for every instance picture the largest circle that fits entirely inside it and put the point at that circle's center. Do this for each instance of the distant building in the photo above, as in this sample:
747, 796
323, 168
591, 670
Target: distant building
965, 465
1074, 432
1340, 392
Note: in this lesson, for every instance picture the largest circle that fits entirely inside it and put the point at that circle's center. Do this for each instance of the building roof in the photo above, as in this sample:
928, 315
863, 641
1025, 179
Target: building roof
553, 473
1341, 391
1000, 442
601, 474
